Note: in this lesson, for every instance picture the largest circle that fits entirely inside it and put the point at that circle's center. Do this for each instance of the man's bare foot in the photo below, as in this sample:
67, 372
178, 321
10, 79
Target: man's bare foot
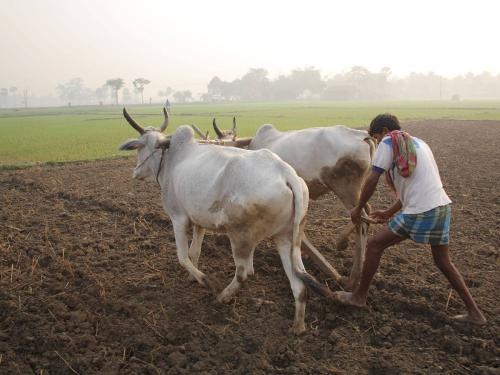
348, 298
471, 318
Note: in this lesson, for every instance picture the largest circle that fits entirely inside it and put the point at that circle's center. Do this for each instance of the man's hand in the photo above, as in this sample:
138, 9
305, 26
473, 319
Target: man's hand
356, 215
381, 216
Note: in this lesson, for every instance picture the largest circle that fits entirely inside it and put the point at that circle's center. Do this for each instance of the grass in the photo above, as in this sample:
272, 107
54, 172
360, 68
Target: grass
55, 135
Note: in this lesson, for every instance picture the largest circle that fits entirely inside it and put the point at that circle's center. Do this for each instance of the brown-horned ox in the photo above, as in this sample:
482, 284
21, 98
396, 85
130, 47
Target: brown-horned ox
249, 195
335, 158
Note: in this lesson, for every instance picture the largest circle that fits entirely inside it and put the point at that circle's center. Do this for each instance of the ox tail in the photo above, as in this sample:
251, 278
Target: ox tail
301, 202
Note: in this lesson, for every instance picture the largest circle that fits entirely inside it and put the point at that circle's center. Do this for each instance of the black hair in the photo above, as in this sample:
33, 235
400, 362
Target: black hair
384, 120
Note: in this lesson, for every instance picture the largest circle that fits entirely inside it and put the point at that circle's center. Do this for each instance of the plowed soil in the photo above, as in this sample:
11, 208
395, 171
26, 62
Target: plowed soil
90, 283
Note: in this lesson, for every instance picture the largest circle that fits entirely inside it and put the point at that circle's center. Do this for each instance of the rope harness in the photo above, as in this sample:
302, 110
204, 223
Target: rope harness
159, 167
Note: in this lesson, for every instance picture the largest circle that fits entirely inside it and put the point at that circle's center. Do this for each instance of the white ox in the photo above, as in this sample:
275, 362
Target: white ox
333, 158
249, 195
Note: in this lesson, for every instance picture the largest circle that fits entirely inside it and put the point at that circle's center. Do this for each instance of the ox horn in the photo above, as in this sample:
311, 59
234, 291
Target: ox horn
132, 122
165, 122
199, 132
220, 134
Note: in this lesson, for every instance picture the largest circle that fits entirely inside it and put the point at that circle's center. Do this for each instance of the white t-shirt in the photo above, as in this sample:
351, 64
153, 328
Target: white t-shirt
423, 190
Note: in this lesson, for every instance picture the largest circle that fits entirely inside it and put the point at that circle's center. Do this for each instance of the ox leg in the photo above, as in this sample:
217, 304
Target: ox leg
299, 291
195, 248
251, 270
242, 254
181, 241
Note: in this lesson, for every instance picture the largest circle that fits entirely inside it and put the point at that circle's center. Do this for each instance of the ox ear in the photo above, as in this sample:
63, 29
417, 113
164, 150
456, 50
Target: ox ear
163, 143
132, 144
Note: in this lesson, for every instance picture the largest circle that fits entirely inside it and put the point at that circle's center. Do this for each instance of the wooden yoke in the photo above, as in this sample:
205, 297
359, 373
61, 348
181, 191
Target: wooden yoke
240, 143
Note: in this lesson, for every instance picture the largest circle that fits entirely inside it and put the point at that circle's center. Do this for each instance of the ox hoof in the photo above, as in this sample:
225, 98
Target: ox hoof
212, 284
222, 298
298, 329
348, 283
342, 244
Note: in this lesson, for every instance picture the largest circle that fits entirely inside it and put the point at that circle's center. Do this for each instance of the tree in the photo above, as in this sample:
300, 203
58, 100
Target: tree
386, 71
139, 84
254, 85
168, 91
115, 84
25, 98
126, 95
72, 91
183, 96
4, 93
307, 80
282, 88
383, 84
13, 91
101, 93
359, 83
358, 76
216, 88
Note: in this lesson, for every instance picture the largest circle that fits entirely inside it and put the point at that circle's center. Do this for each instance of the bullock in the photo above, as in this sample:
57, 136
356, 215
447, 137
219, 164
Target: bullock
335, 158
249, 195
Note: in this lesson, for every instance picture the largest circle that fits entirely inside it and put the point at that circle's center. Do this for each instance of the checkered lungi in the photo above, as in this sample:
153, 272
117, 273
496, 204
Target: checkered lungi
430, 227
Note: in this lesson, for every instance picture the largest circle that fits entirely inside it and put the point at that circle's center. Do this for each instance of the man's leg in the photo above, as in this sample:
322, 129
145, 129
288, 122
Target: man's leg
374, 250
441, 256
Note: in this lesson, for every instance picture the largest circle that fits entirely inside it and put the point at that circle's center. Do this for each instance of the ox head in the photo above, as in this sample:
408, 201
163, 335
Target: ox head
229, 137
225, 135
150, 140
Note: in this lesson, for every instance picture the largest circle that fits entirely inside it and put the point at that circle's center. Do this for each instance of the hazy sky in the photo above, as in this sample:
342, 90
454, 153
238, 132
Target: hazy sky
184, 43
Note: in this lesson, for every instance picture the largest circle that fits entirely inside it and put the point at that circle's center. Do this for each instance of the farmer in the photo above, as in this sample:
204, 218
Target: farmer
421, 211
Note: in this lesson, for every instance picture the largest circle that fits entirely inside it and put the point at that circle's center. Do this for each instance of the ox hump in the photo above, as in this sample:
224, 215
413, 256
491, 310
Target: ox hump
266, 128
184, 134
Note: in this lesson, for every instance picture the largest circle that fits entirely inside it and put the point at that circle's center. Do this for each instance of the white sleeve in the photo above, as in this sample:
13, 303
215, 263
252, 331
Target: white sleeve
383, 159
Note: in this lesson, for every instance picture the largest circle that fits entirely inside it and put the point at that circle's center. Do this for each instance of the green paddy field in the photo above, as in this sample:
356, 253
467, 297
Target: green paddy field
55, 135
